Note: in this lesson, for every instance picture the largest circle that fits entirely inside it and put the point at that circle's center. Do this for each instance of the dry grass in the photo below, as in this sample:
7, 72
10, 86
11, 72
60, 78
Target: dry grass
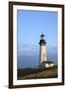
33, 73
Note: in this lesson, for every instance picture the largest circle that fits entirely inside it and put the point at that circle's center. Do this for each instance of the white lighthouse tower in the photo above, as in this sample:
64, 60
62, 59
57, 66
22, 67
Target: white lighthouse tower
42, 53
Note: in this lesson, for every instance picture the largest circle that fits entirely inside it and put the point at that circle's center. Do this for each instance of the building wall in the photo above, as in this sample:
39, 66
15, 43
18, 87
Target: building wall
42, 53
49, 65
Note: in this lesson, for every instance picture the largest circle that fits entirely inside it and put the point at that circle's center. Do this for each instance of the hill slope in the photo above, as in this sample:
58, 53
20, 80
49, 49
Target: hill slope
37, 73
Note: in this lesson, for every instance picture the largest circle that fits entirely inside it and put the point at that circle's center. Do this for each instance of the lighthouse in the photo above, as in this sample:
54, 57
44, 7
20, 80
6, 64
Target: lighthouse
42, 52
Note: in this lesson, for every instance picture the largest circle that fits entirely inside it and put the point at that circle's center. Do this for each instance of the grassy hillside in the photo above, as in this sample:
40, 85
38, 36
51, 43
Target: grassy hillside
33, 73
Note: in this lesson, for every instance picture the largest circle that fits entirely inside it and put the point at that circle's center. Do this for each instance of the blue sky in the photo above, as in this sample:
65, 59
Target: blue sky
31, 24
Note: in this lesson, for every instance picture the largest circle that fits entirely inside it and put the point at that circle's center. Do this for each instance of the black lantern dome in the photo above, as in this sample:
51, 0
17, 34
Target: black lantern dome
42, 40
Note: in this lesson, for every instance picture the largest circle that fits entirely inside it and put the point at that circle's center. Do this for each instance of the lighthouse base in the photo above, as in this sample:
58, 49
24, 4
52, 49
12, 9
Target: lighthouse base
47, 64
